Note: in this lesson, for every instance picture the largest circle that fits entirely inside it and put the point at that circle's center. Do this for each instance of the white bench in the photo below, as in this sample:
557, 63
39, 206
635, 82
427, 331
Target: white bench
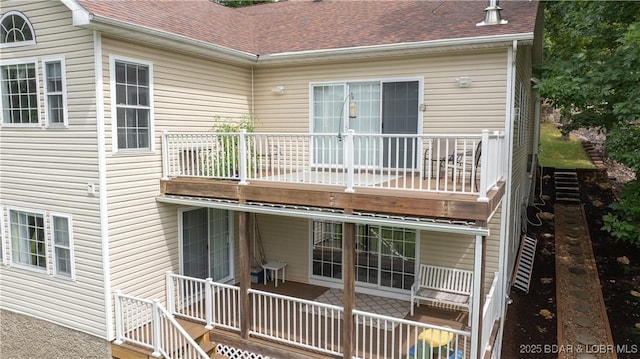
444, 286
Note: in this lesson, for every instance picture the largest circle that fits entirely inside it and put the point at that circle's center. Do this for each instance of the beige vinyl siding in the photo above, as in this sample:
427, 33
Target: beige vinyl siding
449, 107
187, 93
285, 239
48, 169
458, 251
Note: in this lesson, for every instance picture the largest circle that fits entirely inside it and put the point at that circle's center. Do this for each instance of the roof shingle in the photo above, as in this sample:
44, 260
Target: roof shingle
304, 25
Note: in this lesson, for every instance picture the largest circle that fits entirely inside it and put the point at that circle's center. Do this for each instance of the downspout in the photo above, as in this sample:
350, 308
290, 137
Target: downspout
506, 210
534, 150
253, 96
102, 183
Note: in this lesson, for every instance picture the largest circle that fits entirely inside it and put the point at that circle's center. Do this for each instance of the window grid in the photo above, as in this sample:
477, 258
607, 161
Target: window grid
19, 84
327, 249
133, 110
55, 92
15, 30
28, 242
62, 243
385, 256
2, 236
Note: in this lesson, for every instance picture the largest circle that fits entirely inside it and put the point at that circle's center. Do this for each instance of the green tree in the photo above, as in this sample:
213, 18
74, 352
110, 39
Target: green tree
591, 73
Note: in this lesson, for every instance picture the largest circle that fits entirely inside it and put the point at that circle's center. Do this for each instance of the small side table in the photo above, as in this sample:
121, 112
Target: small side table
274, 267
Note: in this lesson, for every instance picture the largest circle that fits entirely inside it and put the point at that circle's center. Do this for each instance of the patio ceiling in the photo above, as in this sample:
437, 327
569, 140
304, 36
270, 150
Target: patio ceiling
317, 213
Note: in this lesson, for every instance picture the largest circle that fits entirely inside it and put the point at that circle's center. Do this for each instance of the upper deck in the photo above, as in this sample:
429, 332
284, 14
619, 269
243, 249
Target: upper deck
443, 176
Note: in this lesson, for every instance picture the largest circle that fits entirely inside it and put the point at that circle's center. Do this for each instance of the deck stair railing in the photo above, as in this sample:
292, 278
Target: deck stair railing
467, 164
211, 303
148, 324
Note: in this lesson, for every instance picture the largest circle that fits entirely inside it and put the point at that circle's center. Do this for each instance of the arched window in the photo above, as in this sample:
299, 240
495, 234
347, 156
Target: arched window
16, 30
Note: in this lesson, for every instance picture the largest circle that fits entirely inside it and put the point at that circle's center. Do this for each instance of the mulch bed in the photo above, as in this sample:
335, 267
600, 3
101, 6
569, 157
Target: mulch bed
527, 332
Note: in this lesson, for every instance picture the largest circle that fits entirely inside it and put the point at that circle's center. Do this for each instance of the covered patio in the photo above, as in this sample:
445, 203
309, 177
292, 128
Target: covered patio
294, 314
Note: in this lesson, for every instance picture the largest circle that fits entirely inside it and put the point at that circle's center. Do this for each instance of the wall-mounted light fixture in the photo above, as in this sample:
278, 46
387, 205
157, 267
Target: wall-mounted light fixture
463, 81
278, 90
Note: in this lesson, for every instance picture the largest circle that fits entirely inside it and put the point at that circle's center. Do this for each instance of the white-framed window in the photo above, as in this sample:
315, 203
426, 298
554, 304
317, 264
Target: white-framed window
385, 256
19, 90
55, 92
375, 106
16, 30
3, 255
62, 246
28, 240
131, 104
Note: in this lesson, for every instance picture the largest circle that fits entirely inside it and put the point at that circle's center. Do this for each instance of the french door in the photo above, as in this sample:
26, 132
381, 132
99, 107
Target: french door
376, 107
385, 256
206, 245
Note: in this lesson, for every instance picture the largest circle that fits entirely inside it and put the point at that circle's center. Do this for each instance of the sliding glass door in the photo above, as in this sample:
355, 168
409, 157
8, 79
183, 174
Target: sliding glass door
206, 248
372, 107
385, 256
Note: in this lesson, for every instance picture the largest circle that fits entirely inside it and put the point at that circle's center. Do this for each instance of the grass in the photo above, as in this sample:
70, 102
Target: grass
559, 153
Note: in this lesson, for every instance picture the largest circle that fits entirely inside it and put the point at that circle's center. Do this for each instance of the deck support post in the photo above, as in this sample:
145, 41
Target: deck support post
348, 270
245, 274
478, 297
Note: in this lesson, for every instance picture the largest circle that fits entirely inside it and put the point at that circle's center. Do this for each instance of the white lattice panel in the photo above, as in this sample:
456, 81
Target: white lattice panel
235, 353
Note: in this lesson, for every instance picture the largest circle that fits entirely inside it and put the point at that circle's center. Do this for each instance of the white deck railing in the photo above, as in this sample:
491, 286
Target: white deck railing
313, 325
303, 323
148, 324
203, 300
490, 312
378, 336
468, 164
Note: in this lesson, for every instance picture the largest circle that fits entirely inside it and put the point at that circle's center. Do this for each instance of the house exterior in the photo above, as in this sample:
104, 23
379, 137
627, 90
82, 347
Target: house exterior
385, 136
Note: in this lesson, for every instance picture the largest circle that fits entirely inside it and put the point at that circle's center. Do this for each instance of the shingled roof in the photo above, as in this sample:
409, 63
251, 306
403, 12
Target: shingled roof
307, 25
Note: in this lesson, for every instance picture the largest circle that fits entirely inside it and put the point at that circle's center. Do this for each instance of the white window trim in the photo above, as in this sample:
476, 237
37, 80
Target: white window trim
63, 73
46, 240
384, 80
231, 234
72, 274
112, 96
28, 22
35, 62
3, 236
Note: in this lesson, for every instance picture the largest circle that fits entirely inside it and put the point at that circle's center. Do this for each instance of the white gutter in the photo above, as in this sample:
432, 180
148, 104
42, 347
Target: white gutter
487, 41
328, 216
226, 52
102, 182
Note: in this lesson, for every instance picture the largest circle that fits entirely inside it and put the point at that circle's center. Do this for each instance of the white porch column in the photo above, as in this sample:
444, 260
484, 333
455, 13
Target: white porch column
477, 298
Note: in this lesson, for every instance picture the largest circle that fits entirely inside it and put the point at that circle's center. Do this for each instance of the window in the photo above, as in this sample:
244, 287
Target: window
367, 107
2, 236
15, 30
132, 106
62, 242
19, 88
207, 250
55, 92
28, 244
385, 256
